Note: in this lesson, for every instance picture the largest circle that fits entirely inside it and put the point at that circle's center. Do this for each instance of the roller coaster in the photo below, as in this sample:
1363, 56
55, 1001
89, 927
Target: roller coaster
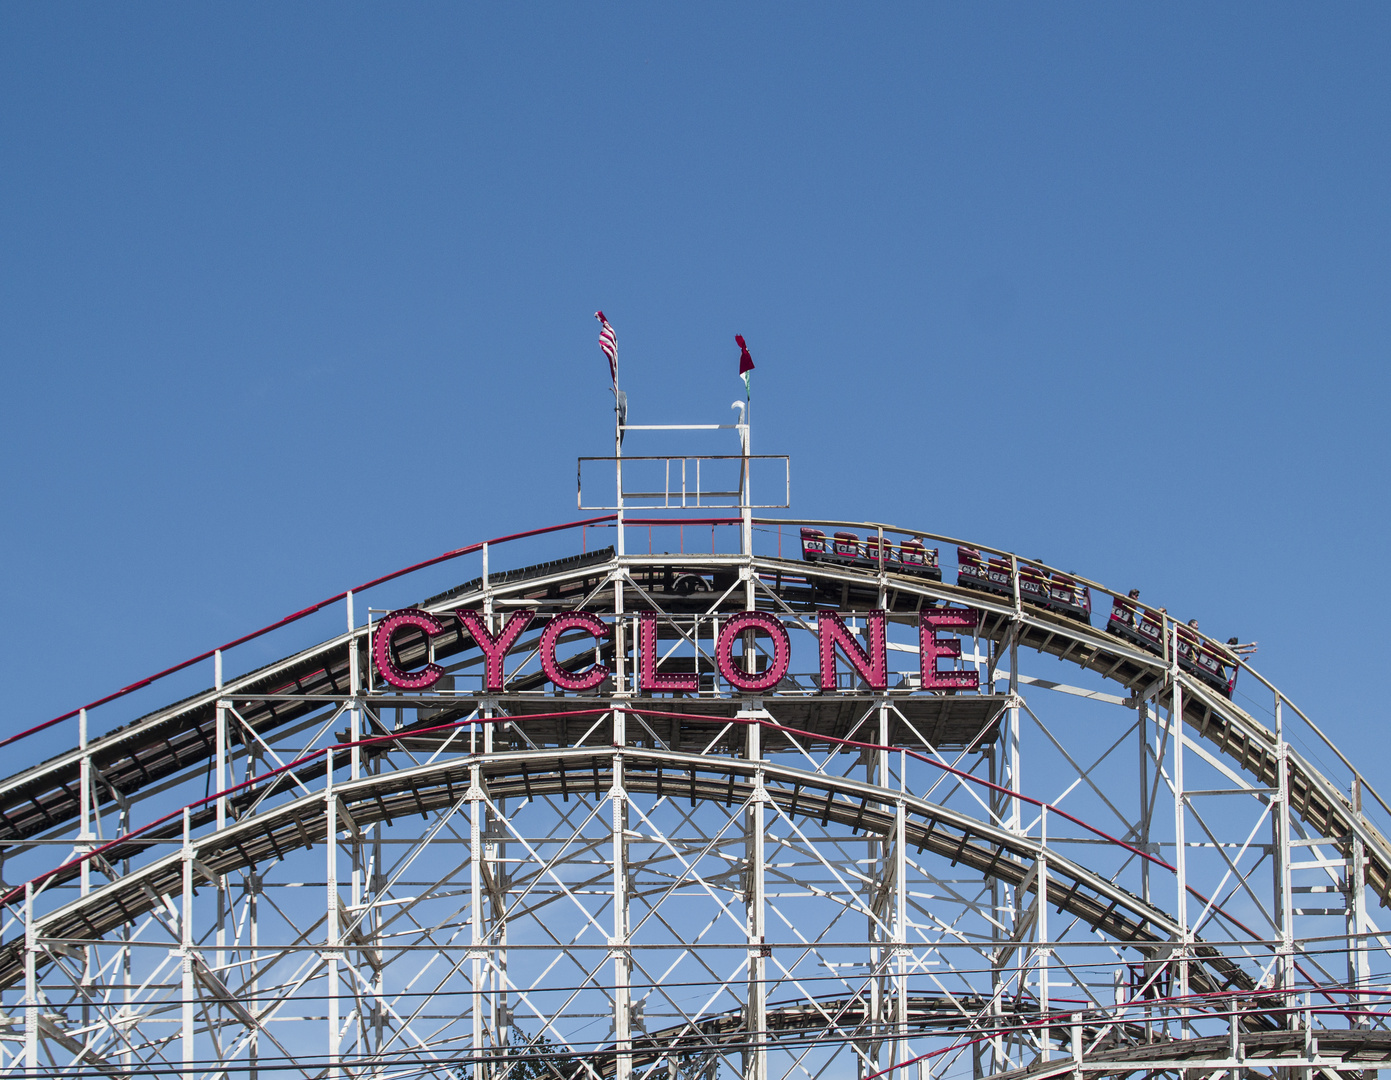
538, 824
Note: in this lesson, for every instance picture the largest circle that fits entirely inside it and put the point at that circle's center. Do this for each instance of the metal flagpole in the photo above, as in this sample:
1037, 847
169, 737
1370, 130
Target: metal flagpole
618, 419
608, 345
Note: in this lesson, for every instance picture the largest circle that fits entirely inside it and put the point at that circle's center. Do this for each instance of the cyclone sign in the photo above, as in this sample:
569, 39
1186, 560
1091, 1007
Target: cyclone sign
870, 662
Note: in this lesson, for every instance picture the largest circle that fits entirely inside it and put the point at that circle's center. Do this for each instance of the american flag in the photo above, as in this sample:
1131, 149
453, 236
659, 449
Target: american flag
608, 341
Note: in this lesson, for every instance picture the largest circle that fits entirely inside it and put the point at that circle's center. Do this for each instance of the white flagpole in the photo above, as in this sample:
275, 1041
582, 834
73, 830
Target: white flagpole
618, 449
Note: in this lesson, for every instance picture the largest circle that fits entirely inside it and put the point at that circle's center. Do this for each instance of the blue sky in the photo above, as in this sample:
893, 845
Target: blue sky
293, 295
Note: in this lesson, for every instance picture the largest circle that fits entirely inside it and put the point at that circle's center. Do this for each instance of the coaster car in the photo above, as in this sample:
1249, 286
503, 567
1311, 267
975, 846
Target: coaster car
974, 571
1199, 657
919, 559
814, 545
1143, 627
1055, 592
1137, 624
912, 557
846, 546
889, 555
1033, 585
1070, 597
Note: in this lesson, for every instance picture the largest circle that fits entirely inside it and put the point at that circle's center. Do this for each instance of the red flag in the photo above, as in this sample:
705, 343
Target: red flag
745, 361
608, 342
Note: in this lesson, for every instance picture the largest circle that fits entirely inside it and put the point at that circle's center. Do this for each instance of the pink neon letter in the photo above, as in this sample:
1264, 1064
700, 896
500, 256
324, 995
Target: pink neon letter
495, 649
647, 649
389, 670
576, 620
874, 667
724, 651
931, 647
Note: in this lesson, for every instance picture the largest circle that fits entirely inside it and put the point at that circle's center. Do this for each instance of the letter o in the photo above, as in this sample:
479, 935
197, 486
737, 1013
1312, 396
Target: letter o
782, 651
382, 639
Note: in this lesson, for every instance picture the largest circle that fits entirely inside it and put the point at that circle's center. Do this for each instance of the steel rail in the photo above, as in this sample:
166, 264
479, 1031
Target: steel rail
680, 521
139, 836
645, 522
145, 835
1167, 619
286, 827
468, 549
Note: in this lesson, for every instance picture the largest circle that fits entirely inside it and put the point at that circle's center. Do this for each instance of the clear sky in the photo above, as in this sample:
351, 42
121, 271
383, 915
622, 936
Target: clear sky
293, 295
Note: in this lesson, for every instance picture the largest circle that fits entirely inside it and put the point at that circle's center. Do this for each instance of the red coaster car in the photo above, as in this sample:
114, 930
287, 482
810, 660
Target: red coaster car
1033, 585
1137, 624
845, 547
920, 560
1198, 657
1069, 597
1122, 620
1056, 592
890, 554
975, 572
913, 557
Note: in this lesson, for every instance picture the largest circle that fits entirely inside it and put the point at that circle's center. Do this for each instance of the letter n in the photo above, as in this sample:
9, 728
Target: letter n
872, 666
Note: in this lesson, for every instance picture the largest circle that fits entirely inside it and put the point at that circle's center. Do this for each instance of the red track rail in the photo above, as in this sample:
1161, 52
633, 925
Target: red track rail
288, 619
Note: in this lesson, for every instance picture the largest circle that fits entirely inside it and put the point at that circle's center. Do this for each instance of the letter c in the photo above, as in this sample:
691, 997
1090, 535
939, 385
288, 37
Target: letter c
576, 620
383, 638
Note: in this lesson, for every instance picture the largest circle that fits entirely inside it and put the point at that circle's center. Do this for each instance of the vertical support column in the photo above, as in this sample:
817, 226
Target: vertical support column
619, 546
1014, 819
186, 948
502, 1011
1180, 823
251, 893
755, 824
355, 839
900, 924
31, 985
1043, 949
620, 639
84, 843
619, 943
999, 900
476, 953
376, 889
1143, 835
220, 777
497, 1012
332, 919
1007, 907
126, 953
220, 785
1359, 969
84, 831
1284, 963
355, 689
746, 488
877, 898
